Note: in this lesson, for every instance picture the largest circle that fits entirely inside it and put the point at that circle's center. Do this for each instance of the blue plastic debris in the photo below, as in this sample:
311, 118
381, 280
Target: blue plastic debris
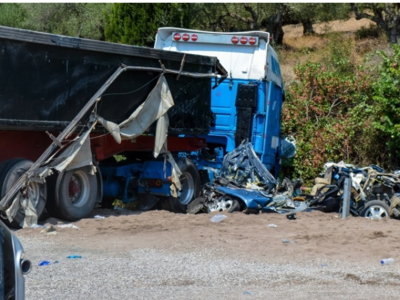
74, 256
44, 263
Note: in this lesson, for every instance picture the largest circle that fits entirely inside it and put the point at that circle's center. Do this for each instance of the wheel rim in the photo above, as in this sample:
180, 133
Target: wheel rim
222, 204
78, 189
376, 212
187, 192
34, 193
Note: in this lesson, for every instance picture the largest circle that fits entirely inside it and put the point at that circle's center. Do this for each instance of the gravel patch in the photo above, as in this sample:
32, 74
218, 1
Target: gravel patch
162, 274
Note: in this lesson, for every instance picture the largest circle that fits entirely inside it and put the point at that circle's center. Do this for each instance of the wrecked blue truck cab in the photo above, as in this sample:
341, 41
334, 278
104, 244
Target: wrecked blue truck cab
247, 105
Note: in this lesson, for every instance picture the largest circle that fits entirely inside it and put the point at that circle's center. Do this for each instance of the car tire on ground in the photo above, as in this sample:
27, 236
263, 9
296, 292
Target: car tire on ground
375, 209
73, 194
197, 206
235, 206
10, 171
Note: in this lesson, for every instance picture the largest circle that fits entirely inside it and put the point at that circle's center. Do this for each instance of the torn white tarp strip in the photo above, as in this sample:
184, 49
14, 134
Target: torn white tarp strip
156, 105
160, 144
112, 128
158, 102
12, 211
76, 155
31, 216
175, 173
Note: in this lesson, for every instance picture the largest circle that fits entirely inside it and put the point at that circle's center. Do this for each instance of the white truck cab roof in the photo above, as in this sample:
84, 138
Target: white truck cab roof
245, 55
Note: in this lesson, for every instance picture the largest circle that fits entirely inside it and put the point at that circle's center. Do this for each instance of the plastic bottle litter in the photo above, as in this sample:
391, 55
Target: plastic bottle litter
35, 226
285, 241
272, 225
218, 218
44, 263
99, 217
74, 256
387, 261
247, 293
68, 226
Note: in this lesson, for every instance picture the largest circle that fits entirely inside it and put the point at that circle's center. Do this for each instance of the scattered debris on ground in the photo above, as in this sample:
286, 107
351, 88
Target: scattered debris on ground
244, 184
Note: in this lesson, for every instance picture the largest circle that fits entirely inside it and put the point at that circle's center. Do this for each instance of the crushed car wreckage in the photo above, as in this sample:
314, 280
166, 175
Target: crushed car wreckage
244, 184
374, 192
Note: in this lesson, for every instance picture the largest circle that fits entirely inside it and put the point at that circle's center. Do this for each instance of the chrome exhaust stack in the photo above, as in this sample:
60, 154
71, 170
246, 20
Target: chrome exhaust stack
26, 266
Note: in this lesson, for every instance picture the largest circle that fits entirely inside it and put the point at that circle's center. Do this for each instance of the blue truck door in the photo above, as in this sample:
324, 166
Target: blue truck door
273, 127
223, 106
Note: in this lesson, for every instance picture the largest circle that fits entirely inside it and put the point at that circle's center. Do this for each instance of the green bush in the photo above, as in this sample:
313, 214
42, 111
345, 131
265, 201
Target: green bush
367, 32
327, 111
387, 103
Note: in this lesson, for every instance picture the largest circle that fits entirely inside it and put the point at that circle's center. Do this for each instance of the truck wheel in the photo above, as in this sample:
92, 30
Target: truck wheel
190, 181
375, 209
10, 171
74, 194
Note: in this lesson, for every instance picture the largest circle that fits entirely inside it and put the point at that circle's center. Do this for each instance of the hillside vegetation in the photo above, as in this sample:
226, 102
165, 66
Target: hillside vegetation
341, 73
342, 96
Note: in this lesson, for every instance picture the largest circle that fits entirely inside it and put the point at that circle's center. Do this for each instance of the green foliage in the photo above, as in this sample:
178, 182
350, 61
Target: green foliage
137, 24
319, 12
73, 19
339, 53
387, 100
385, 15
12, 14
325, 110
367, 32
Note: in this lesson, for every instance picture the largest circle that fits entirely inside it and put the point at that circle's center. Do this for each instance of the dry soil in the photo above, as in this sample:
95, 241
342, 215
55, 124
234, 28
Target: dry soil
161, 255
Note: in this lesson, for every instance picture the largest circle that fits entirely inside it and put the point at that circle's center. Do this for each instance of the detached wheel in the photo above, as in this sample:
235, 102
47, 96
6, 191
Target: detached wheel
197, 206
10, 171
74, 194
190, 181
375, 209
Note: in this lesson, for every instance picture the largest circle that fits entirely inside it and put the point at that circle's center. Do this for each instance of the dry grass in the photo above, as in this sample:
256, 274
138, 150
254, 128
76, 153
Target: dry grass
299, 49
348, 26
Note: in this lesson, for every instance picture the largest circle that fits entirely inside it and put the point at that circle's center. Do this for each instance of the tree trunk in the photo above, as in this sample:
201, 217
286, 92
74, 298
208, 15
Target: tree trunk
307, 27
274, 27
278, 33
392, 35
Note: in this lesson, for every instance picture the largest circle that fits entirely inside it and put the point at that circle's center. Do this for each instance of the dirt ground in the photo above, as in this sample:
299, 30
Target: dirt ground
161, 255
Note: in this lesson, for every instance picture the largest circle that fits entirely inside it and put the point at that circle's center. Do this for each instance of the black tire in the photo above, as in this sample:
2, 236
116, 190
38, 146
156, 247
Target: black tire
73, 194
10, 171
99, 198
375, 208
1, 264
235, 206
197, 206
191, 183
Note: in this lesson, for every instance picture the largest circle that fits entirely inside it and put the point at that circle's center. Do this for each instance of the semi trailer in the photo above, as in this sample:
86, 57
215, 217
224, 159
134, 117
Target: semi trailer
85, 122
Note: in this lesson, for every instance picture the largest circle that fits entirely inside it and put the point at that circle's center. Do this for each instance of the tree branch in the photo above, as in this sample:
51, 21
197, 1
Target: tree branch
309, 101
254, 15
335, 103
